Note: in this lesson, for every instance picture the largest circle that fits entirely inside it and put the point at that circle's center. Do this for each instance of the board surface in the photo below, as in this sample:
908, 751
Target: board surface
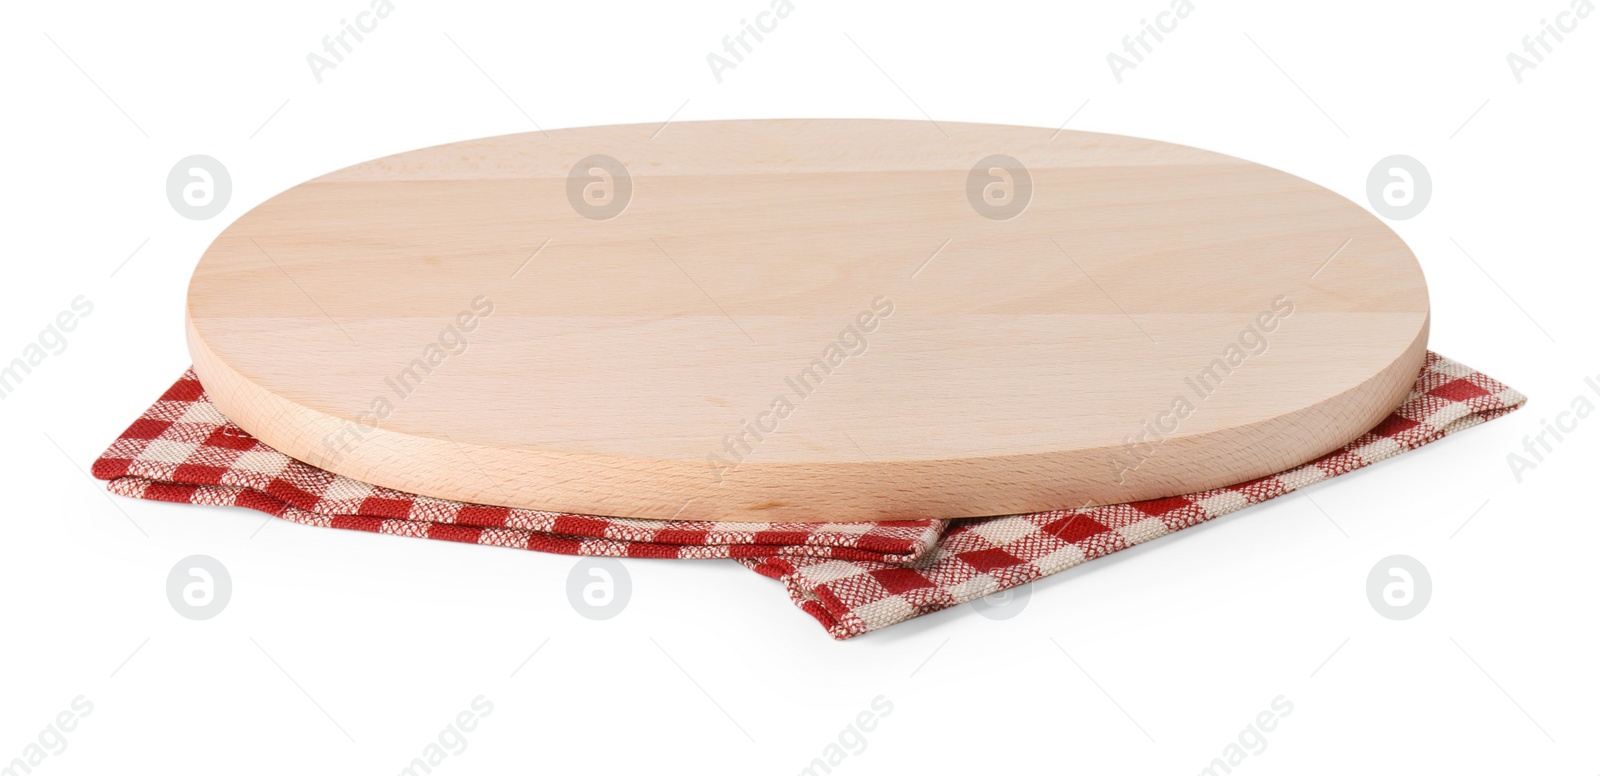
812, 320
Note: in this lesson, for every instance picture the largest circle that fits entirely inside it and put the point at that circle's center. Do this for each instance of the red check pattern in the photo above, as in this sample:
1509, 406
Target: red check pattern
975, 558
852, 577
182, 449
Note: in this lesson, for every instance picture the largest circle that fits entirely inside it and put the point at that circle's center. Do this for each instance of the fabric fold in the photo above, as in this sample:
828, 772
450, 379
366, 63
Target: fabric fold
183, 450
852, 577
976, 558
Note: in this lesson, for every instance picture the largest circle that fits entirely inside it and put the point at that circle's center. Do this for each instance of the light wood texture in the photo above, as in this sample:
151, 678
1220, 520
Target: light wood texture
1019, 369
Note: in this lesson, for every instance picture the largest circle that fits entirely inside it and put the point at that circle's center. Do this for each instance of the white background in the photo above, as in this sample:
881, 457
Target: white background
376, 643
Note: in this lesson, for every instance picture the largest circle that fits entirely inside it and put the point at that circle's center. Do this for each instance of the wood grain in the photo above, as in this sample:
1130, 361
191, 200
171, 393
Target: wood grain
1157, 320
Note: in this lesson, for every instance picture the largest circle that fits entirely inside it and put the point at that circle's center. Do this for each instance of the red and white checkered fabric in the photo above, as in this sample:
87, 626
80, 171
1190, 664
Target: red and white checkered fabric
976, 558
182, 449
853, 577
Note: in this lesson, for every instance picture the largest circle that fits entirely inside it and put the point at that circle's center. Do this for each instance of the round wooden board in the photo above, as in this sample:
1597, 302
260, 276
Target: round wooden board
808, 320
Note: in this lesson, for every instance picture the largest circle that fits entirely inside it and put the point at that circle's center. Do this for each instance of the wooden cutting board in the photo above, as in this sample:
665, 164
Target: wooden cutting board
811, 320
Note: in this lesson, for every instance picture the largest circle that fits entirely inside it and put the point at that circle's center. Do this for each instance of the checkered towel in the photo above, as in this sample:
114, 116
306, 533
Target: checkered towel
852, 577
